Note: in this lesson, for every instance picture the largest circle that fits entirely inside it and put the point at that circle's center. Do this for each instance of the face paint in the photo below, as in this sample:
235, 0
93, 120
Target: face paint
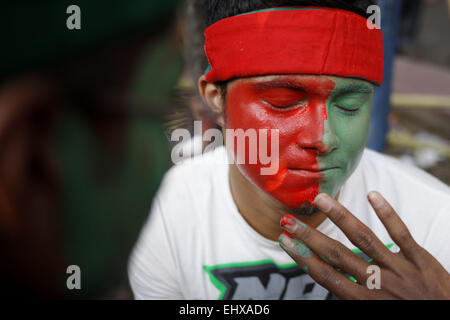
348, 109
322, 123
289, 243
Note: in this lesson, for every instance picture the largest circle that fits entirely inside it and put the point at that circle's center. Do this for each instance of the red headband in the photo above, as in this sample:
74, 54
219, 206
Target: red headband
294, 41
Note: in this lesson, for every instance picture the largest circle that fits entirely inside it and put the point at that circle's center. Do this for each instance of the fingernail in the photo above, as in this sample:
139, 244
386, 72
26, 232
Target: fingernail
294, 246
288, 223
375, 199
323, 202
286, 240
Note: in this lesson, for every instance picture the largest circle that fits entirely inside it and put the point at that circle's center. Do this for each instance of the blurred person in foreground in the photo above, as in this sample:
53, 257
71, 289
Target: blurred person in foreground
81, 141
289, 218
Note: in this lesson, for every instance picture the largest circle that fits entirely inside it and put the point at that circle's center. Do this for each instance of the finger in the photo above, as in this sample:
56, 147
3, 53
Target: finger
395, 226
357, 232
321, 272
332, 251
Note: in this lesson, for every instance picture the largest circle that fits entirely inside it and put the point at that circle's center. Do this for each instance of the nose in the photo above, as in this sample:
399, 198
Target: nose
321, 147
317, 133
330, 140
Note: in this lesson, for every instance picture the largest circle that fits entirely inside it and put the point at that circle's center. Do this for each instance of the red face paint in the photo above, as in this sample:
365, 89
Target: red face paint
296, 106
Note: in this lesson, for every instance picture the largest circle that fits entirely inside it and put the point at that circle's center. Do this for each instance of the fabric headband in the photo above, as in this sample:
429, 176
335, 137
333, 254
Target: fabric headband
313, 40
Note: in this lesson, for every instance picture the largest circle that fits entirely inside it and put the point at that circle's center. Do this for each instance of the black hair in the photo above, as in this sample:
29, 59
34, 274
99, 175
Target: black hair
215, 10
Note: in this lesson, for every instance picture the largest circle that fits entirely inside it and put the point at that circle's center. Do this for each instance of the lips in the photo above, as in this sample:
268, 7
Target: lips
305, 177
316, 170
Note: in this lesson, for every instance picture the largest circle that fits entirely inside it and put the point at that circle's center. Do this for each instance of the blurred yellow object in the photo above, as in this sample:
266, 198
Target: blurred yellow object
427, 101
405, 139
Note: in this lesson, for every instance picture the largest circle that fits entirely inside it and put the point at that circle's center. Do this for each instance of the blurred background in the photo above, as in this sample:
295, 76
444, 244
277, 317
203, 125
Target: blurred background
86, 115
420, 96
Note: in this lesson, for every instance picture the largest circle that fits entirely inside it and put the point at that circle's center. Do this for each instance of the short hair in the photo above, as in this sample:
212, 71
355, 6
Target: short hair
215, 10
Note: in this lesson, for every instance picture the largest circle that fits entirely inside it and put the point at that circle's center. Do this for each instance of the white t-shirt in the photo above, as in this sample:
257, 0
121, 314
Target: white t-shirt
196, 244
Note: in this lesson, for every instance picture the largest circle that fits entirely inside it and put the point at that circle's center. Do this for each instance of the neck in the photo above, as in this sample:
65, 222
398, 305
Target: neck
262, 212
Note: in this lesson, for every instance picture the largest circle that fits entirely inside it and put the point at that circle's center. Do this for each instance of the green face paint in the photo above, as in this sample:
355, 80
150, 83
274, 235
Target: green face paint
346, 128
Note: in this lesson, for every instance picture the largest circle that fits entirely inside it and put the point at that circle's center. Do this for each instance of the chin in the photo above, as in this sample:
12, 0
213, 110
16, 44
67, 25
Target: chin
305, 210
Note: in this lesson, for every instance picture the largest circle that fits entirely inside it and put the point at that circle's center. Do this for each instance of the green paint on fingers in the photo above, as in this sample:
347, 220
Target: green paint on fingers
296, 247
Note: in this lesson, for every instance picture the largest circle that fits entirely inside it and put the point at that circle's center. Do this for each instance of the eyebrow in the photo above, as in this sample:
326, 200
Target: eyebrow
292, 85
276, 84
353, 88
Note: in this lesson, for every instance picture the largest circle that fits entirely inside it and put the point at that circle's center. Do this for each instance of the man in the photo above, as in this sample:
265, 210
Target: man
305, 74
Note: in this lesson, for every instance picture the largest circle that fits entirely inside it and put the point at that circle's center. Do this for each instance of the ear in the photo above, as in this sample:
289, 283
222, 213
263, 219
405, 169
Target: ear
212, 96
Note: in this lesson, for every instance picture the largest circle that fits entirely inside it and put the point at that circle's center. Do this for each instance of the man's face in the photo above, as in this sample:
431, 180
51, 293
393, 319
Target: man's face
322, 121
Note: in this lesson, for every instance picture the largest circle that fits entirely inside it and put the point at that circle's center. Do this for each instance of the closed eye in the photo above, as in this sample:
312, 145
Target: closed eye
299, 104
347, 110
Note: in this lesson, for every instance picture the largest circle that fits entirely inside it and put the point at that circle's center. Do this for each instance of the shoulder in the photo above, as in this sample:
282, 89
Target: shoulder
174, 226
192, 188
194, 176
406, 179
